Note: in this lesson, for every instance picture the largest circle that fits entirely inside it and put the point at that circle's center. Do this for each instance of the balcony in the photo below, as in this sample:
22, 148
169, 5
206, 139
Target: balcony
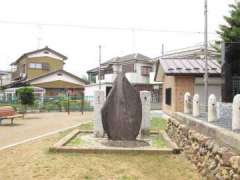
15, 74
133, 77
108, 78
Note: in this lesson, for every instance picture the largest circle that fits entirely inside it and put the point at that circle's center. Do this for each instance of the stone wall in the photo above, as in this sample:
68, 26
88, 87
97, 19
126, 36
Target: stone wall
212, 160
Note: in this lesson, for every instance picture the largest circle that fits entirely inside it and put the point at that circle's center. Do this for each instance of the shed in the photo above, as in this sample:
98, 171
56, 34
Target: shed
186, 75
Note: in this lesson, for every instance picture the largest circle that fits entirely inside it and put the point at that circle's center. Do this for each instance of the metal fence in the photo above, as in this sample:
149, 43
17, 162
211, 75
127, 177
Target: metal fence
54, 104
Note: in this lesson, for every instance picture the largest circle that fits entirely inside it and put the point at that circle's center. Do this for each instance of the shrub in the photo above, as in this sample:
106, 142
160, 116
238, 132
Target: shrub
25, 96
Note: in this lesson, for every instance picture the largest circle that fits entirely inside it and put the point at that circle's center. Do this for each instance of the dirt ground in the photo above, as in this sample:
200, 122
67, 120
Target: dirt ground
37, 124
34, 161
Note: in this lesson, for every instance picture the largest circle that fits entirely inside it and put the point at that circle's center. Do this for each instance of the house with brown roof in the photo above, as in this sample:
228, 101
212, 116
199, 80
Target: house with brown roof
180, 75
44, 68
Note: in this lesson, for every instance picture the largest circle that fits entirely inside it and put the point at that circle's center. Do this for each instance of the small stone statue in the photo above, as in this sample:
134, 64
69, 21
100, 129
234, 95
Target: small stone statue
122, 111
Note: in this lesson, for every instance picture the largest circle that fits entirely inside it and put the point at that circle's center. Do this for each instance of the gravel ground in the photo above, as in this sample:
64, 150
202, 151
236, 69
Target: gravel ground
38, 124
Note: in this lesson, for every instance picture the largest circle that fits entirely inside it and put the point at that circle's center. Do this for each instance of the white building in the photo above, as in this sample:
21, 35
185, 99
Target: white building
5, 78
139, 70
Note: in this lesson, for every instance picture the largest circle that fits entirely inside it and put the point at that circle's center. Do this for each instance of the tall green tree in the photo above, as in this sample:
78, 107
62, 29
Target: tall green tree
230, 31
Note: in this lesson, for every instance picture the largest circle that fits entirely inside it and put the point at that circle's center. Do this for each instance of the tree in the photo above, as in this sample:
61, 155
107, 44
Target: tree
230, 32
25, 96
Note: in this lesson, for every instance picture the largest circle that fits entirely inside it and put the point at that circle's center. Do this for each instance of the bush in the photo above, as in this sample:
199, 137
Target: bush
25, 96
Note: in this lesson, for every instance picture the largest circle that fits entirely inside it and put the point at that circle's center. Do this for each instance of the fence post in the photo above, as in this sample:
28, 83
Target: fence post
212, 108
236, 112
99, 99
187, 108
82, 103
146, 108
196, 106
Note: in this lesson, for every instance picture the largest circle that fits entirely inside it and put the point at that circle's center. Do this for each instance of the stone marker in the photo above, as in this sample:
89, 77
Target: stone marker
146, 115
187, 106
99, 98
122, 111
196, 106
236, 112
212, 108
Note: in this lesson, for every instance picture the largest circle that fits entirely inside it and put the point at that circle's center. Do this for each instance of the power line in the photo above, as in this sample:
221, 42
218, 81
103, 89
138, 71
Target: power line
103, 27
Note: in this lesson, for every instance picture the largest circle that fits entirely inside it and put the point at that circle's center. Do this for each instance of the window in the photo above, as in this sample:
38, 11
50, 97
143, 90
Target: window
45, 66
127, 68
92, 78
145, 70
23, 68
168, 98
35, 66
101, 76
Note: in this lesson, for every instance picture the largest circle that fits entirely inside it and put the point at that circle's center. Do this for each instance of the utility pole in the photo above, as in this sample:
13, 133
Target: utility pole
206, 53
133, 40
39, 38
162, 49
99, 72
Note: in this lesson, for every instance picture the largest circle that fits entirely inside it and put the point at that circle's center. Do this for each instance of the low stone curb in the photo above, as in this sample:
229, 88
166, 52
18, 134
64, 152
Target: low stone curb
60, 146
172, 144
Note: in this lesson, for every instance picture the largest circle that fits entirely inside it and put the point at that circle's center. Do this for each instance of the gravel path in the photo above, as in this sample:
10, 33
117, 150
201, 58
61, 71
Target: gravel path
38, 124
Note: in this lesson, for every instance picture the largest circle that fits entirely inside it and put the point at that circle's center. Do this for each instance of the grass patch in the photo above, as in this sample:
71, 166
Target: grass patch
77, 141
86, 126
158, 142
158, 123
33, 161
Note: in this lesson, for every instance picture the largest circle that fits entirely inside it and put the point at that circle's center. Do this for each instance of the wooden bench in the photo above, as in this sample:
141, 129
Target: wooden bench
8, 112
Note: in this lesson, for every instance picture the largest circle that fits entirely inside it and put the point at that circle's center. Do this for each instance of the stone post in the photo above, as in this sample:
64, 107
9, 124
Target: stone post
236, 112
187, 106
146, 115
196, 106
99, 99
212, 108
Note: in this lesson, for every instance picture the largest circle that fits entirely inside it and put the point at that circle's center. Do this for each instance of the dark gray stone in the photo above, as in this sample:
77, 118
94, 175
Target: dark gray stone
122, 111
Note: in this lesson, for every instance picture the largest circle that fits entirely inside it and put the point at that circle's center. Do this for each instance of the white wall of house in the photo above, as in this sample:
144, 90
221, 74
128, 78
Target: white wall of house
45, 53
58, 76
137, 77
5, 79
108, 78
90, 89
133, 77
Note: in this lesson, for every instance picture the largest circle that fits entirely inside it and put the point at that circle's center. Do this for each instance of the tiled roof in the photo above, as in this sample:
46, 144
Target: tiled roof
192, 52
129, 57
189, 66
39, 50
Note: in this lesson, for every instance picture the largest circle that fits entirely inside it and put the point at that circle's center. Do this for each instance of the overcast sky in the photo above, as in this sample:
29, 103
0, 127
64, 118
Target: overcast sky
119, 17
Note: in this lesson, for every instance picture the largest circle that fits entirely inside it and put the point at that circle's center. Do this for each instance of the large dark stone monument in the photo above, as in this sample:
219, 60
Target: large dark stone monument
230, 70
122, 111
